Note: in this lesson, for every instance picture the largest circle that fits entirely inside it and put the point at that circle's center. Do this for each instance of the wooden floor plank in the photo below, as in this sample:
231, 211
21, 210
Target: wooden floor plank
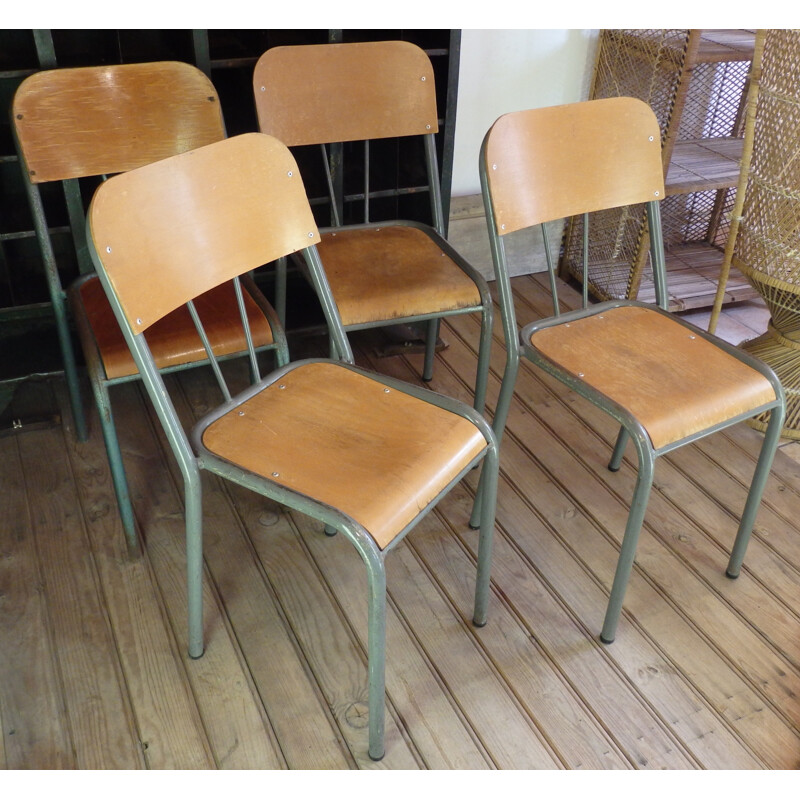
98, 710
561, 514
703, 674
440, 731
691, 602
216, 684
290, 695
516, 654
34, 732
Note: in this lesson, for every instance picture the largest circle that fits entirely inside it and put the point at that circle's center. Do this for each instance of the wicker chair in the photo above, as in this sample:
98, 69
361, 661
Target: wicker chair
764, 242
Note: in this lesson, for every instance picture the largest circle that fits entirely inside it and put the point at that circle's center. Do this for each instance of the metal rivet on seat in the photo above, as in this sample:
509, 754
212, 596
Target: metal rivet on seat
108, 249
423, 78
290, 173
692, 336
276, 474
580, 374
650, 138
311, 234
281, 385
387, 391
241, 413
263, 88
138, 321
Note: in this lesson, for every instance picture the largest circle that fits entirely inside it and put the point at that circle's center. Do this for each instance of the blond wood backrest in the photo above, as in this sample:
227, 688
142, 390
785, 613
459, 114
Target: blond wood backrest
171, 230
547, 163
73, 123
316, 94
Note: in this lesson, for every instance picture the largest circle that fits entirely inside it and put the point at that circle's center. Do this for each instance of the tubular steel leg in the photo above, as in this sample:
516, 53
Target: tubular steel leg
627, 553
498, 424
118, 477
376, 654
771, 439
484, 354
619, 450
488, 487
431, 337
194, 562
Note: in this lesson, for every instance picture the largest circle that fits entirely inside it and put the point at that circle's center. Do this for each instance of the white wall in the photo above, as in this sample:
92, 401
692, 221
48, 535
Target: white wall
508, 70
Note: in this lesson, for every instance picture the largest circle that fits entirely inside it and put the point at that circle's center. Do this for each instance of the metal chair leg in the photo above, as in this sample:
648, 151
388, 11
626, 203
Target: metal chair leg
194, 561
488, 484
498, 424
644, 483
114, 454
619, 450
376, 654
484, 355
763, 466
431, 337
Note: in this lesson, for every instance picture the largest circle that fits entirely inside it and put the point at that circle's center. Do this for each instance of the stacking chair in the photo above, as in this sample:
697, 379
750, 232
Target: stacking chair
94, 121
363, 454
388, 272
665, 382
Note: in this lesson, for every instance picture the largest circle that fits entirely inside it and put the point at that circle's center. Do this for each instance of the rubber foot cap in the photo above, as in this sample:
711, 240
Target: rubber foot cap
606, 641
732, 577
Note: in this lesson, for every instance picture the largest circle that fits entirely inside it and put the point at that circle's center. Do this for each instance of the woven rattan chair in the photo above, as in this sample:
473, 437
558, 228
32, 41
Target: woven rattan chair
365, 455
665, 382
764, 241
389, 272
91, 121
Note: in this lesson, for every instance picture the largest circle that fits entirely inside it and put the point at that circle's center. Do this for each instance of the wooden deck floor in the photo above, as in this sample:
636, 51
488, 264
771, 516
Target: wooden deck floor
704, 673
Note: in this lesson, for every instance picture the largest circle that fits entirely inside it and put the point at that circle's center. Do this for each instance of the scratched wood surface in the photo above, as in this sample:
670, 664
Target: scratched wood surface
704, 672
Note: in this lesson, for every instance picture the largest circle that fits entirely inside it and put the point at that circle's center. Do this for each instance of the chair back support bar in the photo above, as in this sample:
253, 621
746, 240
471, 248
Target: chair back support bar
396, 96
65, 130
218, 222
537, 174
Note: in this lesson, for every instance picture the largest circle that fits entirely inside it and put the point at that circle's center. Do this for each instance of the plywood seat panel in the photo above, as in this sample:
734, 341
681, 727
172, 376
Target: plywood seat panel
174, 340
392, 272
335, 434
675, 382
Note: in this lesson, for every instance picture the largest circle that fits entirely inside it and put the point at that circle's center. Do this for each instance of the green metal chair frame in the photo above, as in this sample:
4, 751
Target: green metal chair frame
94, 121
211, 215
549, 163
330, 94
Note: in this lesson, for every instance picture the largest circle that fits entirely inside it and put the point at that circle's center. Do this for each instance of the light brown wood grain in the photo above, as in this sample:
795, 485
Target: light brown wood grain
310, 94
172, 230
405, 274
378, 455
673, 381
548, 163
102, 120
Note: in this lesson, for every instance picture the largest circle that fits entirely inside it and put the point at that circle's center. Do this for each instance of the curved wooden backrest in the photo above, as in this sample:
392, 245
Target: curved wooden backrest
548, 163
73, 123
315, 94
169, 231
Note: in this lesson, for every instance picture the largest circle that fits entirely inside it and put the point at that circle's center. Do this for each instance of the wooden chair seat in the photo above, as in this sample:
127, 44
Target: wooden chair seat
174, 340
675, 382
406, 274
332, 433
